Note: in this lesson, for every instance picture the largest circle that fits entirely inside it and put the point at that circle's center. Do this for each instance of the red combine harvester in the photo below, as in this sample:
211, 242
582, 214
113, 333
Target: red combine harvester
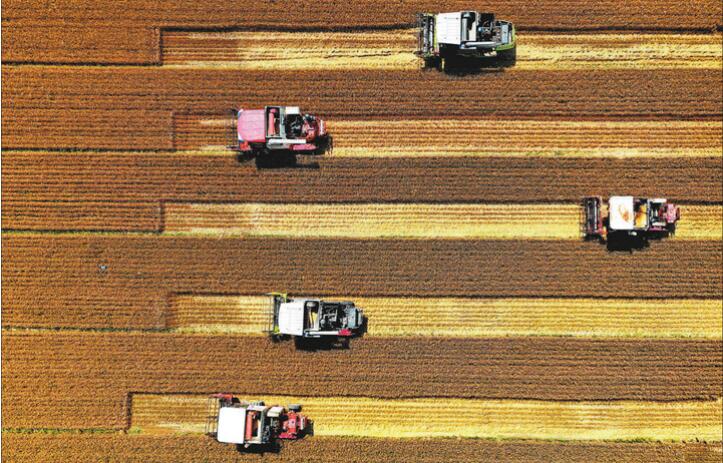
247, 424
628, 216
279, 130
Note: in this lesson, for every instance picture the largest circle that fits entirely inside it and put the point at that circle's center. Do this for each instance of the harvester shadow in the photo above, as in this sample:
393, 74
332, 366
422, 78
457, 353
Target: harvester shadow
272, 447
320, 344
626, 243
278, 162
473, 66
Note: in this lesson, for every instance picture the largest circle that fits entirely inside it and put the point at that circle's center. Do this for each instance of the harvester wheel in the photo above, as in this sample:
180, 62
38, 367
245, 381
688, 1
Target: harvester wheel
295, 408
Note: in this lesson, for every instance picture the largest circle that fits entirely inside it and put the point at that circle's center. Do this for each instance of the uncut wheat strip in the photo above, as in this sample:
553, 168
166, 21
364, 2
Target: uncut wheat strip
413, 221
395, 50
473, 317
496, 419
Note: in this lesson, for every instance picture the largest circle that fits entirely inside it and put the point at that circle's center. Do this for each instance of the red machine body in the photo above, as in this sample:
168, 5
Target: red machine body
279, 128
233, 421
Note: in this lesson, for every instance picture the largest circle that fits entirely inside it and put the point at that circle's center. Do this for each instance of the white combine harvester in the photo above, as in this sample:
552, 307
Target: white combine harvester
464, 34
314, 318
629, 216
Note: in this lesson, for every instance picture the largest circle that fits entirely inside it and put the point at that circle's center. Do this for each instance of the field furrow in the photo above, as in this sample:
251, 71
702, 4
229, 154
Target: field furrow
85, 378
471, 317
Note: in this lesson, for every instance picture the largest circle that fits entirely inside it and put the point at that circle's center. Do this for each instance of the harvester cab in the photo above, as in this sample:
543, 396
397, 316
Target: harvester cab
313, 318
279, 128
629, 215
247, 424
444, 36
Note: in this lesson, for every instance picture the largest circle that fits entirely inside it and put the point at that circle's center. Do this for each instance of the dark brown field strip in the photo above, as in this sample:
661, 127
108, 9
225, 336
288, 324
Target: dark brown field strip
123, 191
106, 128
61, 32
38, 447
95, 96
125, 280
81, 43
82, 215
546, 14
84, 378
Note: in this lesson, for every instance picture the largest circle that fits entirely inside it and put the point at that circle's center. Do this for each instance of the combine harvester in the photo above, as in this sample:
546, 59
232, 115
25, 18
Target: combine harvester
447, 38
248, 424
276, 134
313, 318
628, 219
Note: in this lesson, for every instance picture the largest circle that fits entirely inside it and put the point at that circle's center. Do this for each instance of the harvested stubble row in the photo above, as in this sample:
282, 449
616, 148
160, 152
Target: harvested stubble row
120, 280
84, 377
394, 49
40, 447
35, 91
411, 221
413, 138
487, 419
47, 190
471, 317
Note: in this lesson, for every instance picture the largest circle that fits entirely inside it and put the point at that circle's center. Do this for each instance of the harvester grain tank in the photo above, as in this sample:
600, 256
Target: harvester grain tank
446, 36
247, 424
278, 129
313, 318
629, 216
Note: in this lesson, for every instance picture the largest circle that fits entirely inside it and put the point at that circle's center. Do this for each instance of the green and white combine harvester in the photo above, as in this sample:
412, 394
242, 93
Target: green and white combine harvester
313, 318
451, 37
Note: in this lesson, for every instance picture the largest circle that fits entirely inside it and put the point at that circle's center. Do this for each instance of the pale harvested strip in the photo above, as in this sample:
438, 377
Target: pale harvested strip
406, 151
395, 50
453, 221
473, 317
444, 137
700, 222
413, 221
207, 134
491, 419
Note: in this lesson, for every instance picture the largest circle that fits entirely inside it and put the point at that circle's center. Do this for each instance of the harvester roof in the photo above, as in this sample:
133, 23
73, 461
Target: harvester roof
622, 212
231, 425
252, 125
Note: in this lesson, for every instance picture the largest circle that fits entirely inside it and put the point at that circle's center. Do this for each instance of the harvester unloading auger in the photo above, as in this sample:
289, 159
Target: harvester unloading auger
628, 217
314, 318
445, 37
